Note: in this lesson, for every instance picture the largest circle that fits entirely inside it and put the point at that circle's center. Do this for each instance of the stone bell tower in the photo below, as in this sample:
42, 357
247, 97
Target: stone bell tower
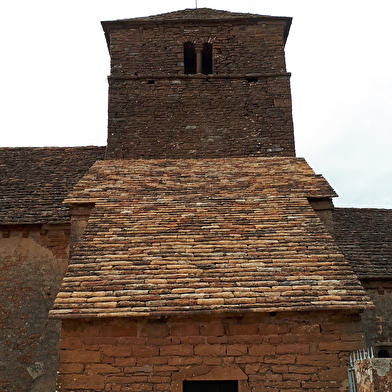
199, 83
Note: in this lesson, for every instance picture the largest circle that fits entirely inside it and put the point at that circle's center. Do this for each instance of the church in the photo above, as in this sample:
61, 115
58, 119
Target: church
195, 251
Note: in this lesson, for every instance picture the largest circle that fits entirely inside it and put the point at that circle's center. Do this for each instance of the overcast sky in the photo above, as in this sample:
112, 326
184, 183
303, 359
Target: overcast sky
54, 67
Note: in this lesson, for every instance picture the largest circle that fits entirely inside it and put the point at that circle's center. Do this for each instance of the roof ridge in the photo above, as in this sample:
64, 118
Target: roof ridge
195, 14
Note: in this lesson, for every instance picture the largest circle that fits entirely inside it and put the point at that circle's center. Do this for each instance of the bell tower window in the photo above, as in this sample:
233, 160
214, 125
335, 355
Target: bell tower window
197, 59
206, 59
189, 58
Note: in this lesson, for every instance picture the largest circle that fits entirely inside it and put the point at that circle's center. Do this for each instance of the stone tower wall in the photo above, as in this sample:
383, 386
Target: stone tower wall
158, 111
239, 47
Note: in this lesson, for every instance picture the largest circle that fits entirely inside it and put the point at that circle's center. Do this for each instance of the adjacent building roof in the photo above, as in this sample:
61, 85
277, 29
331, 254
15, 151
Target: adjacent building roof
190, 236
364, 236
35, 181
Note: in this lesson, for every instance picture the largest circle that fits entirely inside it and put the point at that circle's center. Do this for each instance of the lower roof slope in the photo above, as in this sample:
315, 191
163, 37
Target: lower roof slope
35, 181
364, 236
191, 236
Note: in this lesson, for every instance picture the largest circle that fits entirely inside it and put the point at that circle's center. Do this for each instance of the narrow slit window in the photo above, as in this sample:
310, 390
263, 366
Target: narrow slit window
206, 59
189, 58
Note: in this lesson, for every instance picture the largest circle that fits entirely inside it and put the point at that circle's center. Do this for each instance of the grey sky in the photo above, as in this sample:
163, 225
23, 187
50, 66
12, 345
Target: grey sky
55, 63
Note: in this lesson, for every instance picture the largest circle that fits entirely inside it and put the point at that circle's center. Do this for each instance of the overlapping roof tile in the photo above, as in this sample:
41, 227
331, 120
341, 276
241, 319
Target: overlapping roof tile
193, 15
196, 14
171, 237
364, 236
35, 181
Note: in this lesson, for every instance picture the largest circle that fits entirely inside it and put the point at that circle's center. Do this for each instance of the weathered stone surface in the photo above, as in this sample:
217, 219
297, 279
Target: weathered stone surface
203, 232
246, 352
242, 108
34, 240
31, 271
377, 321
364, 236
374, 375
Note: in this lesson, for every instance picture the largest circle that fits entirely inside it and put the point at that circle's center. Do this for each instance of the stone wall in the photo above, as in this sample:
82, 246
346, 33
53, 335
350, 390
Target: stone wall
274, 352
33, 260
364, 236
242, 109
239, 47
378, 321
374, 375
200, 117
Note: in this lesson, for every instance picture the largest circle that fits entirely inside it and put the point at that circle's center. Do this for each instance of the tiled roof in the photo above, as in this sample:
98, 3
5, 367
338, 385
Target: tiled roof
35, 181
364, 236
171, 237
192, 15
196, 14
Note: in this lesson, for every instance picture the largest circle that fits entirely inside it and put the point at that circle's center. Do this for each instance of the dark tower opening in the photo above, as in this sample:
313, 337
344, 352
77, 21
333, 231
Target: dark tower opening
210, 386
206, 59
383, 354
189, 58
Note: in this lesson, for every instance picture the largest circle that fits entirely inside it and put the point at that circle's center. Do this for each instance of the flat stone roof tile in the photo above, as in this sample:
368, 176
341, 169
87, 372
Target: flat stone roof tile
364, 236
34, 181
204, 236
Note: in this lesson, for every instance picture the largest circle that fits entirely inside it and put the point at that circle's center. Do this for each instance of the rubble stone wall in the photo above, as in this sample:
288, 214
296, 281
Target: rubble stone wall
274, 352
373, 375
377, 321
200, 118
33, 260
239, 47
242, 109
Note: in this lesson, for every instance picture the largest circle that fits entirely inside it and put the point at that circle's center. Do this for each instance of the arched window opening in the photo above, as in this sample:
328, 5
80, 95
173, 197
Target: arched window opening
383, 354
206, 59
189, 58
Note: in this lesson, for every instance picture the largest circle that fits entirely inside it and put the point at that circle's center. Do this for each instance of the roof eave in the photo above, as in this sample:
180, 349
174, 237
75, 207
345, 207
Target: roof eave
80, 314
